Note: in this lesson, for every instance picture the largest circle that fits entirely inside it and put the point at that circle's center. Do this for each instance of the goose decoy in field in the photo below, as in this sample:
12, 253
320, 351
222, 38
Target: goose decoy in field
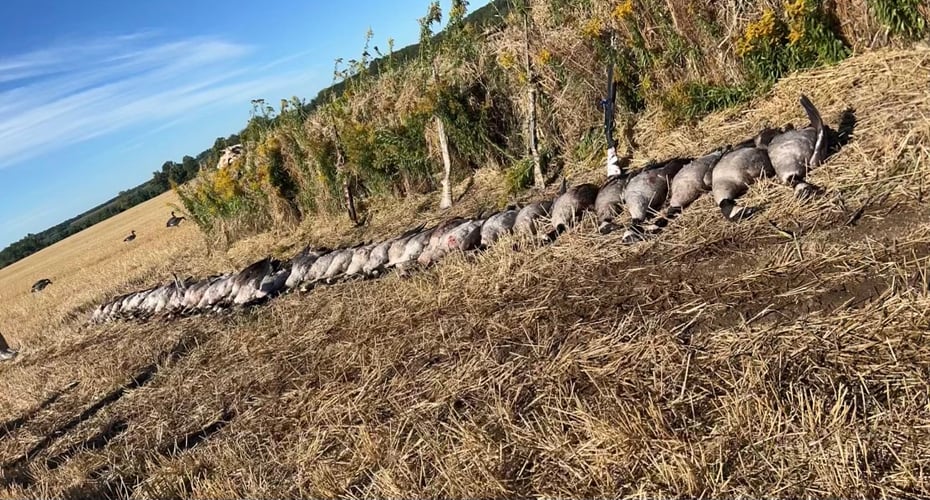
6, 353
174, 220
132, 236
40, 285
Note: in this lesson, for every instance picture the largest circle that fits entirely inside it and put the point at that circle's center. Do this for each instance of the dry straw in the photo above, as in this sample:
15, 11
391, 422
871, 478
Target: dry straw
785, 356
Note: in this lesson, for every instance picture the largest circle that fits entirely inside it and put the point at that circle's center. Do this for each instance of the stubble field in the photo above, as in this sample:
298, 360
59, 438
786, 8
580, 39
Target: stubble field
787, 355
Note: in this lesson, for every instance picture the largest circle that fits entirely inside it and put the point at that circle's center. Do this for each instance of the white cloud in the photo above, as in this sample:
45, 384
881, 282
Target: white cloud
59, 96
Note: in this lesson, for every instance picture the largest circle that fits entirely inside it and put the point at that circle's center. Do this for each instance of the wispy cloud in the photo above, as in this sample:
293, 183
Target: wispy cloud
65, 94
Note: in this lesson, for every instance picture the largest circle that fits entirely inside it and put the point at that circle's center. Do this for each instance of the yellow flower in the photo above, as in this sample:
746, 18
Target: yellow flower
757, 33
795, 34
543, 57
224, 185
622, 10
593, 28
795, 8
506, 60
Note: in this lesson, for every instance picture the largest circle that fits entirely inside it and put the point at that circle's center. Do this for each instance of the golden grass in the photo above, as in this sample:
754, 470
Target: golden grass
719, 360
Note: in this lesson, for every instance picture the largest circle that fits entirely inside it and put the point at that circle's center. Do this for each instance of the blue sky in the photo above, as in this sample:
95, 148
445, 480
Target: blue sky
95, 95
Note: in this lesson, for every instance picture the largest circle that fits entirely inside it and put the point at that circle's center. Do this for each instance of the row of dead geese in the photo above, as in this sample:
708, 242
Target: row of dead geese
727, 173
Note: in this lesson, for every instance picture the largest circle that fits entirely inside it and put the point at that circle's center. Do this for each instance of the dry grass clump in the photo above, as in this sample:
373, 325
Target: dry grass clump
718, 360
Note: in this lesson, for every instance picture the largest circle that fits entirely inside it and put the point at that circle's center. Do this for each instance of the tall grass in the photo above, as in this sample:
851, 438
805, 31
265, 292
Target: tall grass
683, 59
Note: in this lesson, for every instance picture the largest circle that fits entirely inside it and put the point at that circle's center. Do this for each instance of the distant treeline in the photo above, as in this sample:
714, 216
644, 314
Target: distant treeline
187, 169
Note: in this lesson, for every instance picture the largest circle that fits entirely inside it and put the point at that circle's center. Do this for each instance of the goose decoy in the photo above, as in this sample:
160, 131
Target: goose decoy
174, 220
40, 285
6, 353
132, 236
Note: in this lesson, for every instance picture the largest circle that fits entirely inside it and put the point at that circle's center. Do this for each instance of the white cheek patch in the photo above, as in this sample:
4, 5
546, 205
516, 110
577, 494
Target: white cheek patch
737, 212
801, 187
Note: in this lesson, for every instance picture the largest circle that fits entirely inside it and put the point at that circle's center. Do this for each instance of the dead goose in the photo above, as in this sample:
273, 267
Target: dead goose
527, 223
398, 248
257, 281
153, 301
692, 181
609, 202
463, 237
194, 294
359, 259
436, 237
497, 226
414, 248
379, 256
6, 353
318, 268
796, 151
647, 192
338, 265
301, 264
217, 293
569, 207
130, 303
176, 294
738, 169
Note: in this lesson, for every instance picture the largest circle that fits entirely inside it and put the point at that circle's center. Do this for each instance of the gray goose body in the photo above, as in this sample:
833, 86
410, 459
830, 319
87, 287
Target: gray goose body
359, 259
794, 152
569, 207
733, 175
497, 226
528, 219
646, 193
609, 202
429, 254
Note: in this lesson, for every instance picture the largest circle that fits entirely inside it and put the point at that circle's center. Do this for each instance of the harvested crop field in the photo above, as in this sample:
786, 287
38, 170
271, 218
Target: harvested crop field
783, 356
